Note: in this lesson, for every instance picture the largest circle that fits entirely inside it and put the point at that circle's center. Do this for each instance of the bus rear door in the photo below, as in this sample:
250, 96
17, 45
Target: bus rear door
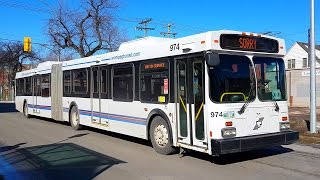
36, 89
99, 106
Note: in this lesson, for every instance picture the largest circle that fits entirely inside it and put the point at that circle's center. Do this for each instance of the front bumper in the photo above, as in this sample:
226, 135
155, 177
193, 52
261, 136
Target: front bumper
240, 144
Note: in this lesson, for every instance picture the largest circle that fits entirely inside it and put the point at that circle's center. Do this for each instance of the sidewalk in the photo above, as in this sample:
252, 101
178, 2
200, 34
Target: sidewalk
304, 148
4, 102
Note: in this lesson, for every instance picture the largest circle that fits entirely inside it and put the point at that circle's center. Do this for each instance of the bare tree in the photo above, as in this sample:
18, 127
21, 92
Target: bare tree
87, 30
12, 58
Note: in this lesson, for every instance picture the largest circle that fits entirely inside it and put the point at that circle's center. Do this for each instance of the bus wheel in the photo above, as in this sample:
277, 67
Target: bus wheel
75, 118
160, 136
25, 110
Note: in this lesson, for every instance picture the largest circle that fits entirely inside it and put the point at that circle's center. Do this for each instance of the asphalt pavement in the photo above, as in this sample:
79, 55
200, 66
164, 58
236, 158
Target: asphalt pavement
38, 148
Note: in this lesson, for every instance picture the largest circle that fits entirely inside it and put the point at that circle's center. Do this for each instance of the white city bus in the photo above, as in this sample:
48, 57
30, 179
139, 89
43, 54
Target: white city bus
217, 92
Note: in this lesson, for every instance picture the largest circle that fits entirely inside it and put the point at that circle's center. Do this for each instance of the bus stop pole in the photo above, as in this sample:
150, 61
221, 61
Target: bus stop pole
313, 103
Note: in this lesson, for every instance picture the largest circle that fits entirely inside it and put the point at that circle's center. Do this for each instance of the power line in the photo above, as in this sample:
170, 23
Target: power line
40, 9
169, 31
145, 28
271, 33
28, 7
20, 41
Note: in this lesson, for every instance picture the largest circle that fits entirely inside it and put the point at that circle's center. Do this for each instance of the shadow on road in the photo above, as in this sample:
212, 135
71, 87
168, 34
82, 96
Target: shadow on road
239, 157
7, 107
121, 136
108, 133
54, 161
9, 148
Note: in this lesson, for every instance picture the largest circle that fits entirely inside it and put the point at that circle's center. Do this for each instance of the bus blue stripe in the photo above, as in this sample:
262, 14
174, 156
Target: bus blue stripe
109, 116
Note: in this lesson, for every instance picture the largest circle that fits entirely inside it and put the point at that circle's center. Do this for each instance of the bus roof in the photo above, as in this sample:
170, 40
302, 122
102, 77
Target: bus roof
156, 47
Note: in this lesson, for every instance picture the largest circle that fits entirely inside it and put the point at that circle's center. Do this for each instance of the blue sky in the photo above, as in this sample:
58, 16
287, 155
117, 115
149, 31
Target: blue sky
291, 18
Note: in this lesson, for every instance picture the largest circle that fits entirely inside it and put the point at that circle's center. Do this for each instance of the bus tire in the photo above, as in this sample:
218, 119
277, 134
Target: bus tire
75, 118
161, 137
25, 110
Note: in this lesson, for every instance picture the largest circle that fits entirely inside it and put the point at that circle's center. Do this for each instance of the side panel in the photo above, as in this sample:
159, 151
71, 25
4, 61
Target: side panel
56, 92
19, 103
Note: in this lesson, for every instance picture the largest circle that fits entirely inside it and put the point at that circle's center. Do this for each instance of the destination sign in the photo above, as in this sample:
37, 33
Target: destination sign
154, 66
248, 43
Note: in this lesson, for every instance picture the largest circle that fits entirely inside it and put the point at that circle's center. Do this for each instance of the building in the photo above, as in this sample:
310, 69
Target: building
6, 89
297, 56
297, 65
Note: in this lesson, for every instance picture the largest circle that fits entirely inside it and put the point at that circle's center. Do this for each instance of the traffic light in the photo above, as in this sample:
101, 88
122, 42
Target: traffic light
27, 44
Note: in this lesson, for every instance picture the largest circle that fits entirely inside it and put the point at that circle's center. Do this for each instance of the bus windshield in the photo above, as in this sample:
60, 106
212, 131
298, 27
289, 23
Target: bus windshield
232, 80
270, 78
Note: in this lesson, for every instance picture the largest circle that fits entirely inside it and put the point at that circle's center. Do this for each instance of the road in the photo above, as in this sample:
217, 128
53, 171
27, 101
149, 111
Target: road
38, 148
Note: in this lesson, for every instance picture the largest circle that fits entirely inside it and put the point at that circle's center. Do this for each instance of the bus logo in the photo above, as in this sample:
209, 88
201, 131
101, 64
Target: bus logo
258, 123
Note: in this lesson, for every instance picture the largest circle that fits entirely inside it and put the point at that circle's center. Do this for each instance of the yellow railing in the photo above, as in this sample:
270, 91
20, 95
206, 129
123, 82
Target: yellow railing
198, 113
233, 93
184, 106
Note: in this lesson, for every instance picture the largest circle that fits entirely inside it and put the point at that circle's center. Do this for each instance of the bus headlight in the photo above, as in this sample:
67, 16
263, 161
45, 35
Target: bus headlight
228, 132
284, 126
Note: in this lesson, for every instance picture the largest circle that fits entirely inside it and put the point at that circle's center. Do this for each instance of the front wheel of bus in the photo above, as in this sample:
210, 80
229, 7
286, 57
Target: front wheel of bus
75, 118
160, 136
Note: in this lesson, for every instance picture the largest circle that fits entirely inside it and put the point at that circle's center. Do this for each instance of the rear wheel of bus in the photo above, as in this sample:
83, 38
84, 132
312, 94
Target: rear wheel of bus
75, 118
25, 110
161, 137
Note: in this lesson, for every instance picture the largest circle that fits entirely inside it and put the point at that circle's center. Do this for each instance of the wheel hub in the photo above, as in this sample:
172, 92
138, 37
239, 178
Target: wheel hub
161, 135
74, 118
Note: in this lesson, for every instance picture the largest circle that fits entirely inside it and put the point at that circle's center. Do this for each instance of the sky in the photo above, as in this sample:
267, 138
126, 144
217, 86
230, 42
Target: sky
288, 19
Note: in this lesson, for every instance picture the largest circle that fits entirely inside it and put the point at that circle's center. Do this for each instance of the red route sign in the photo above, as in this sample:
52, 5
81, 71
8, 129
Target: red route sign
165, 86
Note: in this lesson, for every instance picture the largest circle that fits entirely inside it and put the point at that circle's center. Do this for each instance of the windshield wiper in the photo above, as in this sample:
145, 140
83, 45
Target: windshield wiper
245, 105
276, 105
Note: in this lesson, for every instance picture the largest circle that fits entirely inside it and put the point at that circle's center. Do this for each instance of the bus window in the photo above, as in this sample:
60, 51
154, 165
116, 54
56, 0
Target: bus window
45, 85
67, 82
122, 83
95, 80
20, 87
154, 81
270, 78
104, 81
80, 79
232, 80
28, 90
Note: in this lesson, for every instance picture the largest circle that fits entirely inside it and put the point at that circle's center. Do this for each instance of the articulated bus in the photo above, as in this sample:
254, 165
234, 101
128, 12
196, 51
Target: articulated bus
217, 92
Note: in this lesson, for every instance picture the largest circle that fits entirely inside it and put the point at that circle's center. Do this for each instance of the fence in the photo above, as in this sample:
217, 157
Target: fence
298, 87
6, 93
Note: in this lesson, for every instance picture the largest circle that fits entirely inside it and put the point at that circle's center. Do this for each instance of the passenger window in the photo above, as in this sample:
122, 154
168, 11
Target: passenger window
80, 81
154, 81
67, 82
45, 85
104, 81
123, 83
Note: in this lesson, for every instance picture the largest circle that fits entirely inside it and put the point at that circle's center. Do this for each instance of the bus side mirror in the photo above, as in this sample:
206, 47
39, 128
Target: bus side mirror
212, 58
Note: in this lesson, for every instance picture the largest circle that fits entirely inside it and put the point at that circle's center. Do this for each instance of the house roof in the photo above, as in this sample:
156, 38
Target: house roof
305, 46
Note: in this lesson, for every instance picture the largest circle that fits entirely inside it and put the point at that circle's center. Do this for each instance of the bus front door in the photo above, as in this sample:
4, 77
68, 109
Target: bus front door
99, 107
189, 95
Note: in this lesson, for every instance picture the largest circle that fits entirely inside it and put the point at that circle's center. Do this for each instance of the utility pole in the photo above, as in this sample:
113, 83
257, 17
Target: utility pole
144, 27
313, 102
169, 32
